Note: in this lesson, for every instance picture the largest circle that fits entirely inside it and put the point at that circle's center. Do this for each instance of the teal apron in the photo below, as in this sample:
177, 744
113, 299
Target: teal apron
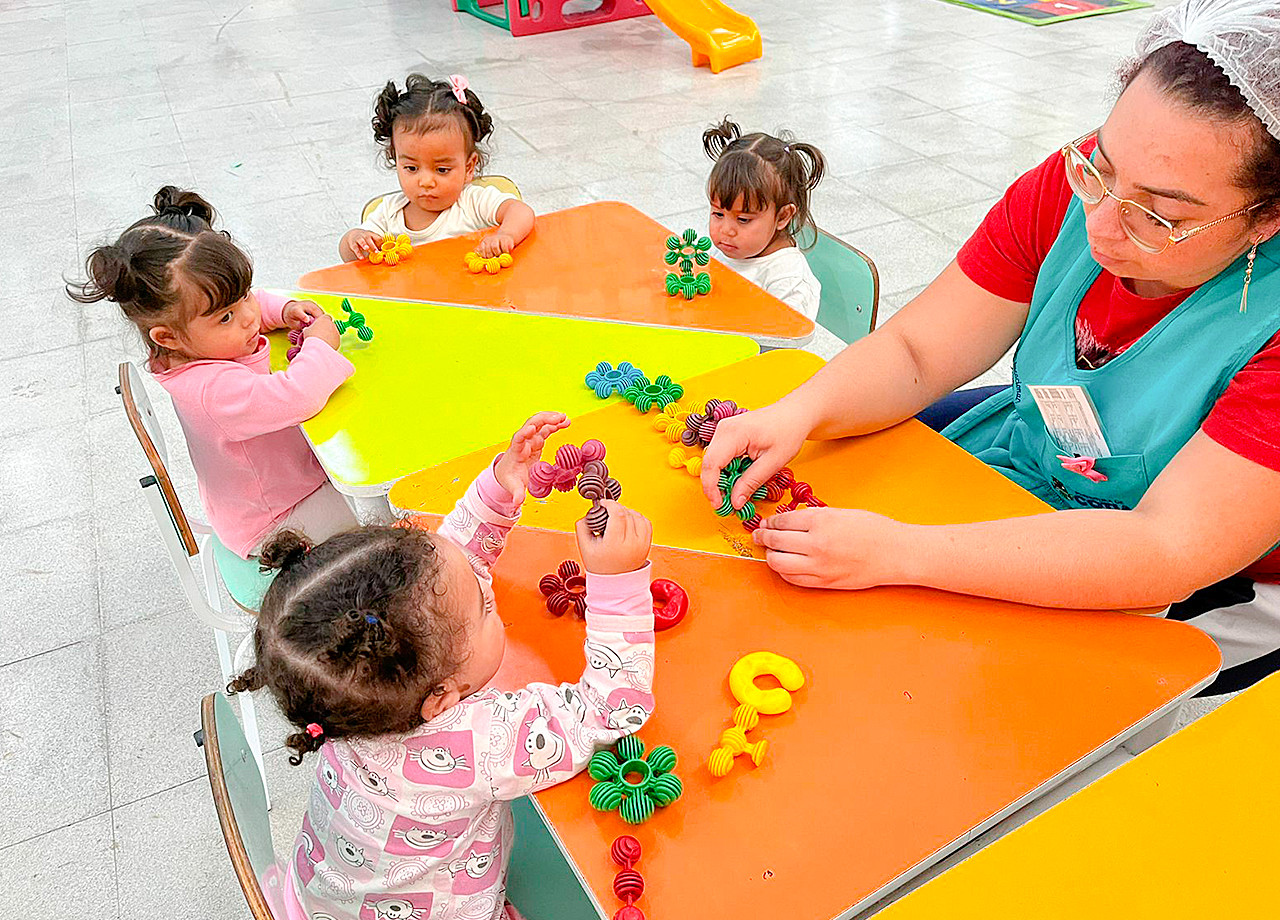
1150, 399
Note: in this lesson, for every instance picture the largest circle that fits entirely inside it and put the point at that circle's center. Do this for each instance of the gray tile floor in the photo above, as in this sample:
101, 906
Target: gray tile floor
925, 111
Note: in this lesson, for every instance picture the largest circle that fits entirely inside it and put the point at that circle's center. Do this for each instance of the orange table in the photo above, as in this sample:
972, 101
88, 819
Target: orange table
908, 471
597, 261
926, 717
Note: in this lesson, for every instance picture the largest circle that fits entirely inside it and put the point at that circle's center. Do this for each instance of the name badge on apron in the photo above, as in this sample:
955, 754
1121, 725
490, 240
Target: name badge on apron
1072, 420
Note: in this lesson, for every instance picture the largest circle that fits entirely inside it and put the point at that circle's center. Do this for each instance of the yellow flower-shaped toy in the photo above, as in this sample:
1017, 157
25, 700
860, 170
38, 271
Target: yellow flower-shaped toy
477, 263
394, 249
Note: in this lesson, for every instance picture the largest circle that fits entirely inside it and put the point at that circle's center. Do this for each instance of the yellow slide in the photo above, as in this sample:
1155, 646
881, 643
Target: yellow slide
718, 35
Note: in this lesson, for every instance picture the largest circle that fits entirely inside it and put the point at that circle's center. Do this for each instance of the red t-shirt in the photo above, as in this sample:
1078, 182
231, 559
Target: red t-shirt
1004, 256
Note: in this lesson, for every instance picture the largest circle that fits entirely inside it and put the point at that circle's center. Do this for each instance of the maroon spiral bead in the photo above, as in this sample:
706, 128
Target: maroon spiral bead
612, 489
784, 507
712, 405
629, 912
625, 851
726, 409
568, 569
559, 603
579, 606
689, 437
753, 523
592, 449
591, 486
597, 519
295, 336
292, 352
693, 420
707, 431
802, 493
595, 468
549, 585
628, 885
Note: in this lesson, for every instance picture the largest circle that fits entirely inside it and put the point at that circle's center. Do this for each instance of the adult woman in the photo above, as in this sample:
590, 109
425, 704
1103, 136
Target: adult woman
1164, 264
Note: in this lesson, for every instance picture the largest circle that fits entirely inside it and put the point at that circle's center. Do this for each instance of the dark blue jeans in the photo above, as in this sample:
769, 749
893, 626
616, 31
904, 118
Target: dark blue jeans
953, 405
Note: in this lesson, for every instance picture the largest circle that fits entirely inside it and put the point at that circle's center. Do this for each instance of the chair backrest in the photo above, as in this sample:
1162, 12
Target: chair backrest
501, 183
241, 803
146, 427
850, 285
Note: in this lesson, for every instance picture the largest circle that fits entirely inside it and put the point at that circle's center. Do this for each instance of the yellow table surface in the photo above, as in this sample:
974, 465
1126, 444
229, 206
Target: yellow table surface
438, 381
1184, 830
907, 471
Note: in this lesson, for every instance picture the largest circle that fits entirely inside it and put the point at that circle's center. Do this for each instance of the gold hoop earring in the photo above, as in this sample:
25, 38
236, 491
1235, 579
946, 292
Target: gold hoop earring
1248, 274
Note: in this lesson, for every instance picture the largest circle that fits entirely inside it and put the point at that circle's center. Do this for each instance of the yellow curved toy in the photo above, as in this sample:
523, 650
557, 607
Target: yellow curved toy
772, 702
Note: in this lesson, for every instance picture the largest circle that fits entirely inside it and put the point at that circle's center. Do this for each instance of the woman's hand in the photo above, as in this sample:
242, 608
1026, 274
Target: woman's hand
512, 468
831, 547
298, 314
624, 545
770, 436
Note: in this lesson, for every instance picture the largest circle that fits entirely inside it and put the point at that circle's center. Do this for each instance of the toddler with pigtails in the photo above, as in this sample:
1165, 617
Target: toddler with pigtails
432, 134
379, 646
759, 192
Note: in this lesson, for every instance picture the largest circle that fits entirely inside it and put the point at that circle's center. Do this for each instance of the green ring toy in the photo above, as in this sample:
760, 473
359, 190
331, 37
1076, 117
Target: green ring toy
635, 800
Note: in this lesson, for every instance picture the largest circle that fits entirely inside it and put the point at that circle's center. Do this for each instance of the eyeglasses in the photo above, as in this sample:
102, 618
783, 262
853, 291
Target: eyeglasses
1148, 230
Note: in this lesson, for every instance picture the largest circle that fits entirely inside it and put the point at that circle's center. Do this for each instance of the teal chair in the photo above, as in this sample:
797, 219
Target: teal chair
850, 285
240, 799
199, 558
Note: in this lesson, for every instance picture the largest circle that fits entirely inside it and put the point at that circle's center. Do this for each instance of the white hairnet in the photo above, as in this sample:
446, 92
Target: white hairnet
1240, 36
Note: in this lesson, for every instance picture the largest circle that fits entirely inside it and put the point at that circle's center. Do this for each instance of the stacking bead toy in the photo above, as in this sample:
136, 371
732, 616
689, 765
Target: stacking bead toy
680, 457
565, 590
563, 474
354, 321
662, 392
733, 741
700, 427
477, 263
394, 249
670, 603
628, 884
606, 379
635, 800
670, 421
595, 484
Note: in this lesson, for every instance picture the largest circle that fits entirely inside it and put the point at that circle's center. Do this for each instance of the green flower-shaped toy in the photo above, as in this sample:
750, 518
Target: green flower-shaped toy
688, 285
631, 782
687, 249
645, 395
729, 476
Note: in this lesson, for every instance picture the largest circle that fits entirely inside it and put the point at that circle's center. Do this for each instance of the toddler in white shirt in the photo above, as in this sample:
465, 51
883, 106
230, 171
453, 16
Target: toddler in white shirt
759, 193
431, 134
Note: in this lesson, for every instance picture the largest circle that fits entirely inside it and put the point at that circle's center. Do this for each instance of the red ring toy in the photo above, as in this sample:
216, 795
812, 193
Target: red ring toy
670, 603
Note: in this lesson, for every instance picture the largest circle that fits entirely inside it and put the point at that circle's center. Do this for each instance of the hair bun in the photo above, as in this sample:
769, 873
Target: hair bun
718, 138
283, 550
181, 202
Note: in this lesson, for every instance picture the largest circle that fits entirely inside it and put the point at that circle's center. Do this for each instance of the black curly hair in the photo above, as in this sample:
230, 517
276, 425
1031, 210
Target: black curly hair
349, 636
427, 105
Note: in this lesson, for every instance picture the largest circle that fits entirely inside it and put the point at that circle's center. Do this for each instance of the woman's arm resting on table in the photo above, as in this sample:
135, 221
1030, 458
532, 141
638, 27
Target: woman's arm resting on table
1208, 515
947, 335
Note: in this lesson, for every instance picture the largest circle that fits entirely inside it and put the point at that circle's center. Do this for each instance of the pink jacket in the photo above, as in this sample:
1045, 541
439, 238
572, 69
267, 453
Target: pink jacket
241, 422
419, 825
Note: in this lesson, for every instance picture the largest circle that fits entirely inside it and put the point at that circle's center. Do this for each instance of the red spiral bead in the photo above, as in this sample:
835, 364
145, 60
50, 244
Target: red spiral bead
549, 585
629, 912
568, 569
625, 851
802, 493
560, 603
706, 430
628, 885
753, 523
726, 409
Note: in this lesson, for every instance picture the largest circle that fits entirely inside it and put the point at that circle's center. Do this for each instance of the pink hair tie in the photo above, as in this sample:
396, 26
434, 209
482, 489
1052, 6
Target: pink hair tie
460, 86
314, 730
1083, 466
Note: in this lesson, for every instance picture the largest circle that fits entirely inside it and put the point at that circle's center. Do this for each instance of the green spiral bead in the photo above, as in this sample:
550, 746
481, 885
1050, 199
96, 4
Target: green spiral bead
630, 748
605, 796
673, 284
703, 244
746, 512
704, 282
665, 789
702, 257
673, 242
636, 809
346, 305
365, 334
726, 507
662, 759
690, 237
603, 765
671, 257
355, 319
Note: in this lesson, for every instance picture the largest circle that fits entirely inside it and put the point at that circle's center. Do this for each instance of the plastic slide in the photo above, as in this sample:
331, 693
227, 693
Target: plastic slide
718, 35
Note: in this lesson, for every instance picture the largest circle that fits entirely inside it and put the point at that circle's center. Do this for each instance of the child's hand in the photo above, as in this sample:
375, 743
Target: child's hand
361, 242
512, 468
298, 314
323, 328
624, 547
495, 244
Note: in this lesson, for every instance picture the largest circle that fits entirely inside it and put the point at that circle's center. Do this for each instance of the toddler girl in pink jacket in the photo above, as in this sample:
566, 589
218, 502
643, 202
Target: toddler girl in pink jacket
380, 645
187, 289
